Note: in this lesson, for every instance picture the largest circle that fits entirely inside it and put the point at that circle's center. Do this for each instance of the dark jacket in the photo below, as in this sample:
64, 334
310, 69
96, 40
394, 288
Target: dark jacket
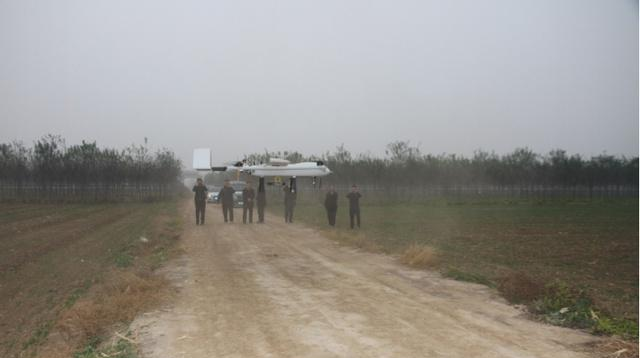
226, 195
261, 198
331, 201
248, 196
201, 192
354, 201
289, 197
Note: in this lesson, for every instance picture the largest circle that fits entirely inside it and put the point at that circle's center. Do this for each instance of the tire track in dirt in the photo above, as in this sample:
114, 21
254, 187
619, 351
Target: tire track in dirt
278, 290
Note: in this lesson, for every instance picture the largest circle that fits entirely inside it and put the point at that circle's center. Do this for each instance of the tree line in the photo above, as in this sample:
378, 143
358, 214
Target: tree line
404, 168
50, 170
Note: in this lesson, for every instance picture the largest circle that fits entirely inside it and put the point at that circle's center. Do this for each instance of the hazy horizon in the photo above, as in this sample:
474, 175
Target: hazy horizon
242, 77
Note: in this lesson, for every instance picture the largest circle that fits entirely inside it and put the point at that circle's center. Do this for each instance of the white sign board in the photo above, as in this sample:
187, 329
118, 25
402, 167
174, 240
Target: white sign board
202, 159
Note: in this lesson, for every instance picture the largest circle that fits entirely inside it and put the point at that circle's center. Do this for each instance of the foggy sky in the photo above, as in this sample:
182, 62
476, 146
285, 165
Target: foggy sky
241, 76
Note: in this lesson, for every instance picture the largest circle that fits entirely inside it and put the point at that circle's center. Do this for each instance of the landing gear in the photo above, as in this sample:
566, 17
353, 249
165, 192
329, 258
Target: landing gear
292, 185
318, 181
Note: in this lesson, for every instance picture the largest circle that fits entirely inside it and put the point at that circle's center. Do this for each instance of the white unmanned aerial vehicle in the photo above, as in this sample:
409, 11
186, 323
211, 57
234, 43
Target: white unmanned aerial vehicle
275, 168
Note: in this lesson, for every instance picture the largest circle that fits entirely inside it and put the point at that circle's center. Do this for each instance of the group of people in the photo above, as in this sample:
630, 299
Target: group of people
249, 196
226, 198
331, 205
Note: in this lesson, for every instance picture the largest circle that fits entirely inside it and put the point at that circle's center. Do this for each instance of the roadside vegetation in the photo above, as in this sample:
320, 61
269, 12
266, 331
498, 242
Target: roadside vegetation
73, 275
571, 262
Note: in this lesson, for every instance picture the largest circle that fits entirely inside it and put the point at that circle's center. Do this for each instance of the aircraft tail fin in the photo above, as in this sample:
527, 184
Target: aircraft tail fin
202, 159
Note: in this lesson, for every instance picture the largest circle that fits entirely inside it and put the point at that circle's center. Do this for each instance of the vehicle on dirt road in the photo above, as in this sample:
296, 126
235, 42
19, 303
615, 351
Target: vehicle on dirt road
212, 197
237, 186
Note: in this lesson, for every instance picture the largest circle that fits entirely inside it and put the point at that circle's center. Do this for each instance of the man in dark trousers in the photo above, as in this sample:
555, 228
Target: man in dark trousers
331, 204
226, 198
201, 200
289, 204
248, 196
261, 200
354, 205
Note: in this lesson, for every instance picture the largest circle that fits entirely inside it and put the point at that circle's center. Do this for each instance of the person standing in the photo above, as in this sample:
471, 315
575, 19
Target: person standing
331, 204
261, 200
289, 204
226, 198
248, 195
354, 205
200, 199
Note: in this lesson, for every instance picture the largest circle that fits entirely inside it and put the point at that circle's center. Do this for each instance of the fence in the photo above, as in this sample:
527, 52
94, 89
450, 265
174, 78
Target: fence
420, 193
49, 193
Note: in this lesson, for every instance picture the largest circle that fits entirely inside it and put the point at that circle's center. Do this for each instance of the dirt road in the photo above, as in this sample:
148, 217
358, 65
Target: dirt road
278, 290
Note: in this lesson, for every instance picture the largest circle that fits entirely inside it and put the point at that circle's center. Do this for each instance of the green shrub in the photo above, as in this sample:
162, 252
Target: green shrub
565, 306
619, 327
570, 307
468, 277
123, 259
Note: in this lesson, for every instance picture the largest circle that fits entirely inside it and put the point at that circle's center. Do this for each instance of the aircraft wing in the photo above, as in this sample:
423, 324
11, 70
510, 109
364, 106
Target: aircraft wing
306, 169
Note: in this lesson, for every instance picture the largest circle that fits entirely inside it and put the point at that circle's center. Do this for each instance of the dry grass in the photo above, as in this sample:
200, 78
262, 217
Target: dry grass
420, 256
616, 348
119, 299
353, 239
518, 287
121, 296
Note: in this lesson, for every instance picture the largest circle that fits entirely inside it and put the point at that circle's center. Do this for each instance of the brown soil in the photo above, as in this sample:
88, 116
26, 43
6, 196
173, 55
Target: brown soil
278, 290
57, 275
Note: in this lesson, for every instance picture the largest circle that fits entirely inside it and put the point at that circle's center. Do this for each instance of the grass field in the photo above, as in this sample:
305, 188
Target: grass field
67, 272
586, 248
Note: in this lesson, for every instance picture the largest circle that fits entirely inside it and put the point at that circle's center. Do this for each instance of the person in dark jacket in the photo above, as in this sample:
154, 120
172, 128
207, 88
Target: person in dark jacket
226, 198
248, 196
331, 204
354, 205
261, 201
289, 204
200, 199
